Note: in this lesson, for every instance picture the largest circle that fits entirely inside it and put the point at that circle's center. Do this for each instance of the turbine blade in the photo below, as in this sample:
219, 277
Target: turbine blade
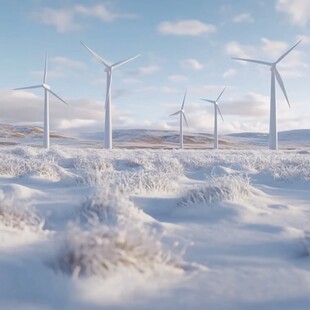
28, 87
185, 119
45, 69
176, 113
255, 61
100, 59
183, 100
220, 112
280, 58
57, 97
212, 101
280, 82
220, 94
122, 62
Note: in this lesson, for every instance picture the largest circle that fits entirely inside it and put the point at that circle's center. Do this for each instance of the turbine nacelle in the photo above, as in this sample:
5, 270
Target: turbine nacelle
45, 86
215, 102
181, 111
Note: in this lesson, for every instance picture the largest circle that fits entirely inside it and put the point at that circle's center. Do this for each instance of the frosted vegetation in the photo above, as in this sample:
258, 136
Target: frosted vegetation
104, 250
105, 213
128, 167
216, 190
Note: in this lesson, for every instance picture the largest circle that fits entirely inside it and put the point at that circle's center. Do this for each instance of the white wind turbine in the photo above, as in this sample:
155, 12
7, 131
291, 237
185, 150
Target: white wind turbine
47, 90
108, 118
216, 108
182, 115
275, 75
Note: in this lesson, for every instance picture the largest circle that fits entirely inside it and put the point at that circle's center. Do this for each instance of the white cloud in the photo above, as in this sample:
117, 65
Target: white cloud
65, 20
76, 123
235, 49
243, 18
148, 70
229, 73
84, 115
146, 89
251, 104
61, 19
154, 89
101, 12
247, 113
191, 27
176, 78
273, 49
207, 90
61, 67
192, 63
291, 66
82, 112
297, 10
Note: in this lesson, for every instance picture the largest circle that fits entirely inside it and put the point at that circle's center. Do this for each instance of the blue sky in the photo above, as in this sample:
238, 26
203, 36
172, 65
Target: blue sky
183, 45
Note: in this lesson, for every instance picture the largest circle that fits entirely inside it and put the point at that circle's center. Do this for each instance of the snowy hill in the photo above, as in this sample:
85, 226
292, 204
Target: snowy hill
144, 138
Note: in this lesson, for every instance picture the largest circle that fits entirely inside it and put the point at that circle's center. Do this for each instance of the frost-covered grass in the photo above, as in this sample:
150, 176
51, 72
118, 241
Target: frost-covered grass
131, 182
216, 190
109, 208
104, 250
18, 215
141, 170
20, 162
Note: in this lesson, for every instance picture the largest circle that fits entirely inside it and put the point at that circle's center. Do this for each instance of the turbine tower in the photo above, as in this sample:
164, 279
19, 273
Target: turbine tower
182, 115
47, 90
216, 108
275, 75
108, 118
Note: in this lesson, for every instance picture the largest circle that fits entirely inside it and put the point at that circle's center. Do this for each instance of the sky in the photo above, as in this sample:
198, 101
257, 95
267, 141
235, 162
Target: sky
184, 45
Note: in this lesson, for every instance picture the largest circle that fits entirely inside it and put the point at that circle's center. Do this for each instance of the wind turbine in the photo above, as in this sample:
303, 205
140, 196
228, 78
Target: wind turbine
108, 118
275, 75
47, 90
216, 108
182, 115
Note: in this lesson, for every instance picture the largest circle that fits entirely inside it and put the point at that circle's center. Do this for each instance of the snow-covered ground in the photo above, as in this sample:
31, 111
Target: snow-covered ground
85, 228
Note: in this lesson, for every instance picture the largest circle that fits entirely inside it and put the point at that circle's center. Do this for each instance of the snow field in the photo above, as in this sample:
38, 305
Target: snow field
115, 229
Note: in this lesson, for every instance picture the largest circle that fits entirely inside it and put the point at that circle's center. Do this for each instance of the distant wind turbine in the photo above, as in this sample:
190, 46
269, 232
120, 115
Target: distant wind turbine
47, 90
108, 117
275, 75
216, 108
182, 115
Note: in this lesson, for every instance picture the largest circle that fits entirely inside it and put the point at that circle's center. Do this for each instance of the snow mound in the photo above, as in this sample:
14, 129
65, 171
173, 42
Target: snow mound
217, 189
19, 191
104, 250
